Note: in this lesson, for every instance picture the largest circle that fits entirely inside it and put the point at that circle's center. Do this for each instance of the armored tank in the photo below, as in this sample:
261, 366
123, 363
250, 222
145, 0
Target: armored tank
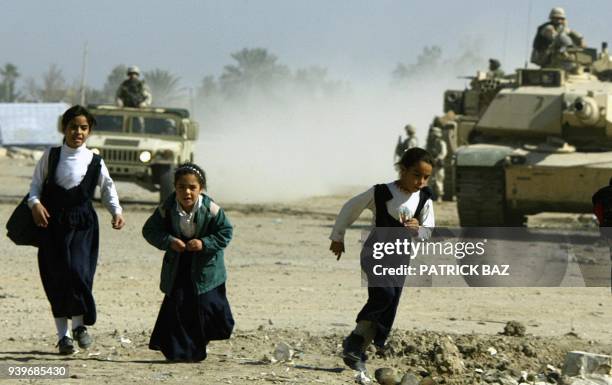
538, 140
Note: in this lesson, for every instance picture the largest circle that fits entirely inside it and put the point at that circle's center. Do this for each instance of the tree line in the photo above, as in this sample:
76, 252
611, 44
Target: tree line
253, 71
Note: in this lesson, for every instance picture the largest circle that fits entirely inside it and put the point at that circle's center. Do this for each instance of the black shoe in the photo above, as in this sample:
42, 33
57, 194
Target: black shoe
352, 353
65, 345
82, 337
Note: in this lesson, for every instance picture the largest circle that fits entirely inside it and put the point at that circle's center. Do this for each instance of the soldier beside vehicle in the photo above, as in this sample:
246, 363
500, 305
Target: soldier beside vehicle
406, 144
133, 92
436, 146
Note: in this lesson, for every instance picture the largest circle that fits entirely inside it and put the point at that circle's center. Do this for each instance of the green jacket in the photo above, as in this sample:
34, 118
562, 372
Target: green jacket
212, 228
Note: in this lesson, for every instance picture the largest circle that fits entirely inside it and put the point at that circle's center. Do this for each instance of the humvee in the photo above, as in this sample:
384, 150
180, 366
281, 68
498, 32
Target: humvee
143, 145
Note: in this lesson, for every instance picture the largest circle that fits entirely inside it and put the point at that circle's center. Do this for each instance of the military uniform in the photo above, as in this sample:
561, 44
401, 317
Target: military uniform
405, 145
495, 70
438, 151
408, 143
553, 36
133, 92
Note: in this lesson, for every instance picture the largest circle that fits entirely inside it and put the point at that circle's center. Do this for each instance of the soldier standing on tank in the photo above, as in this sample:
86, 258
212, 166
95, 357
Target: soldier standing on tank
554, 36
438, 151
495, 70
406, 144
133, 92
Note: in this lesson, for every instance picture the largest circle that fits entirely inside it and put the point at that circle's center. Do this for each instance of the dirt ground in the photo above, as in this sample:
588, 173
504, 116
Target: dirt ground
284, 285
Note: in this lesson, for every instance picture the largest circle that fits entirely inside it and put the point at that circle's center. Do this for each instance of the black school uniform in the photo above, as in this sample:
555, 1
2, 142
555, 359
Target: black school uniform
382, 303
68, 252
188, 321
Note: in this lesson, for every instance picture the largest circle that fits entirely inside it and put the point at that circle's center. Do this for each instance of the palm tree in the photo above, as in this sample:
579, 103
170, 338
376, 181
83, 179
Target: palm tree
164, 86
255, 68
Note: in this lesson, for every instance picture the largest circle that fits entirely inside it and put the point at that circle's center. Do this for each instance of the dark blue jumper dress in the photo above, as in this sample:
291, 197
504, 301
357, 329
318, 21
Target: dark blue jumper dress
68, 252
187, 322
382, 303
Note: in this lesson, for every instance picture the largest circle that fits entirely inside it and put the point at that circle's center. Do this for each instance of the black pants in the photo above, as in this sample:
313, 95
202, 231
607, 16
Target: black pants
380, 309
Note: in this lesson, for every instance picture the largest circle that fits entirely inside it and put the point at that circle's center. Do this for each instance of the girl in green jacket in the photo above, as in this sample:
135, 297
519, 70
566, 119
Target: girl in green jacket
193, 230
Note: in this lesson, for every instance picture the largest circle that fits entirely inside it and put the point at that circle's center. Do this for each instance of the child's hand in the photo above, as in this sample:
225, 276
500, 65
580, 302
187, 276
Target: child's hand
118, 222
413, 226
195, 245
40, 215
337, 248
177, 245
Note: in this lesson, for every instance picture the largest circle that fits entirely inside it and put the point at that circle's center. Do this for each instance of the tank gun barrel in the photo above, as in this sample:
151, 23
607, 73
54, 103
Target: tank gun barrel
586, 110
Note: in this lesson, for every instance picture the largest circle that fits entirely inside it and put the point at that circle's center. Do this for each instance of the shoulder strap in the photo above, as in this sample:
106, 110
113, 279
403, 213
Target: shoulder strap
424, 194
54, 155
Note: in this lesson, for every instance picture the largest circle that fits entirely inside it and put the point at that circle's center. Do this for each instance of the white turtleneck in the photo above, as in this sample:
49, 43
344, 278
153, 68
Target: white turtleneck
71, 170
400, 201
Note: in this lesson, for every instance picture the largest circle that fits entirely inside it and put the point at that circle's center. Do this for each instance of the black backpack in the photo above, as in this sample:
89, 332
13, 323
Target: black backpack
20, 227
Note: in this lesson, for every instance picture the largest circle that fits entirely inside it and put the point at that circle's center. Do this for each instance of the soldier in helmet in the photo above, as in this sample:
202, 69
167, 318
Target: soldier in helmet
408, 143
133, 92
437, 149
495, 70
554, 36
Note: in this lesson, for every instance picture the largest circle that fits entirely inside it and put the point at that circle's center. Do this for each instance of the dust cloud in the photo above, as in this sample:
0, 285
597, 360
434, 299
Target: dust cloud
289, 146
293, 147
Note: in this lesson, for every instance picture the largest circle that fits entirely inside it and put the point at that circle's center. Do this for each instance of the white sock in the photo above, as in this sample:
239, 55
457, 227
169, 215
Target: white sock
77, 320
61, 324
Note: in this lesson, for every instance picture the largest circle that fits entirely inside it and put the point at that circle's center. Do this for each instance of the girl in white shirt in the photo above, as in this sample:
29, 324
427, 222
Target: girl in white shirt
402, 203
61, 191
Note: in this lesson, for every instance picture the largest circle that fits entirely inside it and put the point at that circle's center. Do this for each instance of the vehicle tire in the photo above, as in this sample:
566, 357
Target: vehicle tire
481, 198
166, 182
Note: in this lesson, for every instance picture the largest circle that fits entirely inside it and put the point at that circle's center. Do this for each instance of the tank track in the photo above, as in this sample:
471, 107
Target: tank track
481, 198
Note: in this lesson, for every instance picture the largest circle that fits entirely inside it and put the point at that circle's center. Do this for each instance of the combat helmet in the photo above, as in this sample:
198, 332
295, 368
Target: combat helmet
557, 13
133, 70
494, 64
410, 129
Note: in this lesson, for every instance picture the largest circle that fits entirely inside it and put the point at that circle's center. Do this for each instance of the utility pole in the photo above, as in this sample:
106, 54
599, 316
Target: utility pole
83, 74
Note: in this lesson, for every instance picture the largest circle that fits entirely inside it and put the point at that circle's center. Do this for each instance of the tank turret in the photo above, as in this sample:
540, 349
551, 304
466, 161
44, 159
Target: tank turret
540, 140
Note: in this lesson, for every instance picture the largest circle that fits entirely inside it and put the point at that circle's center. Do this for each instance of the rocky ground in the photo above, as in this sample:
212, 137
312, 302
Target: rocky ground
286, 288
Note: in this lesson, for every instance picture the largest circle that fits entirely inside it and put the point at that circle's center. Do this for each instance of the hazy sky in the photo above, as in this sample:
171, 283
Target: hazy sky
355, 40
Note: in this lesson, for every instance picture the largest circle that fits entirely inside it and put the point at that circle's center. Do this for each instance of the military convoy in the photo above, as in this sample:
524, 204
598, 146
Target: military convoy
143, 145
538, 140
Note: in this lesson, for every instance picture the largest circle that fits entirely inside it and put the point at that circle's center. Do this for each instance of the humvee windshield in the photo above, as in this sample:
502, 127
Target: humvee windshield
154, 126
109, 123
139, 125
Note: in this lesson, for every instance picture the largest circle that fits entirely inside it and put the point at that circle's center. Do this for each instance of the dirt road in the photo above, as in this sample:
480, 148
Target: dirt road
284, 285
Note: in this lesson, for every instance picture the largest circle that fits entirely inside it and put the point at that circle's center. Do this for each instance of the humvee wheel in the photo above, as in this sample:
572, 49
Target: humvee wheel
481, 198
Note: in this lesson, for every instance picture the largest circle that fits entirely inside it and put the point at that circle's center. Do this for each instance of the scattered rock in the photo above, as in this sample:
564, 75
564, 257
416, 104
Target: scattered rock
428, 381
514, 329
386, 376
447, 356
528, 350
283, 352
410, 379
